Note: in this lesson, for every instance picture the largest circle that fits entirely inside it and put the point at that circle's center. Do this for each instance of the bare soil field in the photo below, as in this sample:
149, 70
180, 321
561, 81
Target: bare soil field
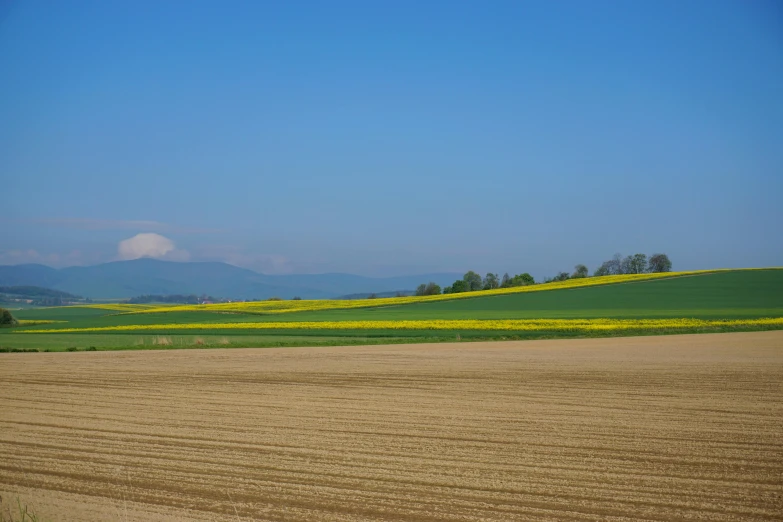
656, 428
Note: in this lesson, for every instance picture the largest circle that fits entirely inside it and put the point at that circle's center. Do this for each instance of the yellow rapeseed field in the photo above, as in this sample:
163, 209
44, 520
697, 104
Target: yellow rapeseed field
561, 325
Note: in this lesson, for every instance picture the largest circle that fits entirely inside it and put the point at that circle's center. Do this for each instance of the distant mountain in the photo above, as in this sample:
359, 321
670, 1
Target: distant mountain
29, 275
36, 296
35, 291
124, 279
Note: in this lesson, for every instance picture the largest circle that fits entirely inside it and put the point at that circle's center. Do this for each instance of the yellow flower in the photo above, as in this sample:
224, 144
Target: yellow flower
510, 325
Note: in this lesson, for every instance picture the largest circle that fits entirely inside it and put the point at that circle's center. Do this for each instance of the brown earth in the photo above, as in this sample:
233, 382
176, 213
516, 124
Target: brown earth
656, 428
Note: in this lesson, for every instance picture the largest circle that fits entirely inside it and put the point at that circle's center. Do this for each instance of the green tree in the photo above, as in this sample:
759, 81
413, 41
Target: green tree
506, 282
491, 281
562, 276
659, 263
459, 286
428, 289
6, 319
579, 271
612, 267
522, 280
635, 264
473, 281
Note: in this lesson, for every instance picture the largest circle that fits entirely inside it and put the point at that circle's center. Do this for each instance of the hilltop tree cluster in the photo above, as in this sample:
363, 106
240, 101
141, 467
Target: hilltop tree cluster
635, 264
428, 289
471, 281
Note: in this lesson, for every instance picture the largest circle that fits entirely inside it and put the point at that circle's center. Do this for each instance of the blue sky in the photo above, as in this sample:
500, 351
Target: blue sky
387, 138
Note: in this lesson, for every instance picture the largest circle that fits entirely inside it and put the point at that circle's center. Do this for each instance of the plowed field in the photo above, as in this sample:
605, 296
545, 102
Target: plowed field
657, 428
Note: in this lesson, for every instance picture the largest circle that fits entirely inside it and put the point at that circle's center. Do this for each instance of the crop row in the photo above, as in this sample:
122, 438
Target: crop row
563, 325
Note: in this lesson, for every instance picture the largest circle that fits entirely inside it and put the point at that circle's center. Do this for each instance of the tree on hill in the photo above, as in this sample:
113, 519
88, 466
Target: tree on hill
458, 287
6, 319
635, 264
491, 281
473, 281
428, 289
579, 272
611, 267
659, 263
524, 279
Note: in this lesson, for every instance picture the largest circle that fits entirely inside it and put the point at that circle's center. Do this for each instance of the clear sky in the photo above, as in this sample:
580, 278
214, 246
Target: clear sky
387, 138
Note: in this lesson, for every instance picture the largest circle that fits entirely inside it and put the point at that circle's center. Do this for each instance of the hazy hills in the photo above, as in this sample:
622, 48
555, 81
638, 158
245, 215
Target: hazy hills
123, 279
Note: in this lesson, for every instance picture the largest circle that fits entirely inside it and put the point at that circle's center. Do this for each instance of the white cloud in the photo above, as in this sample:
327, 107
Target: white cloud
150, 245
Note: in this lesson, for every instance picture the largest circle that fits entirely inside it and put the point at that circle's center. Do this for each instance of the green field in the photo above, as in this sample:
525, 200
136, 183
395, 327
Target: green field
725, 295
734, 295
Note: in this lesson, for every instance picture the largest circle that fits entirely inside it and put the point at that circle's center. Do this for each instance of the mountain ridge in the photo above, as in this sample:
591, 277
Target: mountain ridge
125, 279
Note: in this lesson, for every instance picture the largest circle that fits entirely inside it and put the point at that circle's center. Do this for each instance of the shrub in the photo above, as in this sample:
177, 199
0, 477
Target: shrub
6, 319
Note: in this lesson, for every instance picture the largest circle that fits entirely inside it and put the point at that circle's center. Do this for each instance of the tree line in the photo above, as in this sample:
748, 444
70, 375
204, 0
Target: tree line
173, 299
634, 264
471, 281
